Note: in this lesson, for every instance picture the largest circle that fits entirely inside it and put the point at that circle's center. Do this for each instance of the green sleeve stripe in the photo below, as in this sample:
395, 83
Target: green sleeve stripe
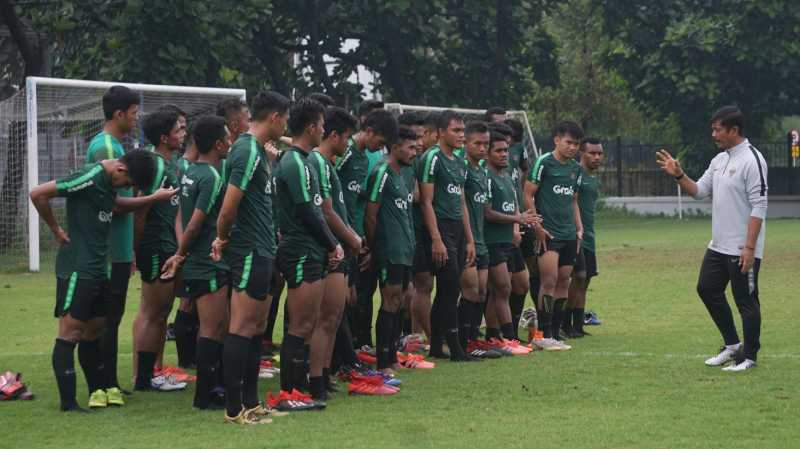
536, 175
428, 161
324, 175
342, 160
376, 189
109, 147
66, 185
249, 170
215, 192
301, 170
159, 175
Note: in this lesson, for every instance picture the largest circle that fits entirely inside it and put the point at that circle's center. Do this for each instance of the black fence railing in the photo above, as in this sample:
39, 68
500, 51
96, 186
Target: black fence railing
630, 169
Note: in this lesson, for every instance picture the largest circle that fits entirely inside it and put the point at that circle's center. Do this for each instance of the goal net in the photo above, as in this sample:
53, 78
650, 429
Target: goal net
528, 141
45, 129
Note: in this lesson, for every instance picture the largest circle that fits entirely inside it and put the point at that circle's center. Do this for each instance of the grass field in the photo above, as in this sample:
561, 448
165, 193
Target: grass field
639, 382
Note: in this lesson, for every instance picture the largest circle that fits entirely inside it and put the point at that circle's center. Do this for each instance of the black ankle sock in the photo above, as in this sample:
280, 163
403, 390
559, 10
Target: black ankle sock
516, 303
558, 311
144, 371
64, 370
492, 332
456, 351
250, 381
465, 310
577, 319
508, 331
302, 381
291, 348
208, 355
183, 327
546, 316
384, 325
109, 347
92, 364
326, 377
566, 319
477, 317
317, 389
234, 355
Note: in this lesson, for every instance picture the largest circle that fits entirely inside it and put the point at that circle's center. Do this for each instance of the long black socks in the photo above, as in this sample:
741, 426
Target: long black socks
209, 353
144, 371
185, 328
235, 355
64, 370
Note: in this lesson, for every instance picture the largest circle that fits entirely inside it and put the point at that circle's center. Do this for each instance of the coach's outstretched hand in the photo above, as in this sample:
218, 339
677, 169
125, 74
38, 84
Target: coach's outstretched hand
670, 165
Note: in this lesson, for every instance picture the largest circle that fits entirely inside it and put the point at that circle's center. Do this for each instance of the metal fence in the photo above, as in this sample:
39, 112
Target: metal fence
630, 169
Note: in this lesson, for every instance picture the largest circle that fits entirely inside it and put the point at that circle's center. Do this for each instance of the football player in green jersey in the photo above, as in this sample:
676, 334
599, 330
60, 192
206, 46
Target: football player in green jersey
389, 230
246, 235
121, 111
551, 190
81, 271
591, 157
207, 281
476, 193
339, 125
503, 219
308, 248
447, 246
154, 242
236, 115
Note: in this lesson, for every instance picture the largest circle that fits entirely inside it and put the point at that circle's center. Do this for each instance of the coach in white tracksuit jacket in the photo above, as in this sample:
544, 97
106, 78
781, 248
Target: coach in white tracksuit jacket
736, 180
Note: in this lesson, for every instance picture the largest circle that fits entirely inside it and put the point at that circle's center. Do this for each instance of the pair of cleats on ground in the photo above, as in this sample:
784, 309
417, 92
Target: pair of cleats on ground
733, 357
496, 347
12, 388
104, 398
255, 416
366, 354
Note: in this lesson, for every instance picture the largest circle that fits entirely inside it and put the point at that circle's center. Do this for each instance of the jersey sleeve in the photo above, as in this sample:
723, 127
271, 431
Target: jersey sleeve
428, 168
755, 179
208, 189
100, 150
377, 183
158, 179
537, 174
79, 182
242, 164
297, 177
322, 168
705, 185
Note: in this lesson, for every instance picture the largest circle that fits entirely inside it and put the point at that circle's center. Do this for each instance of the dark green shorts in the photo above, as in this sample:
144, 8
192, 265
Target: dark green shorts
196, 288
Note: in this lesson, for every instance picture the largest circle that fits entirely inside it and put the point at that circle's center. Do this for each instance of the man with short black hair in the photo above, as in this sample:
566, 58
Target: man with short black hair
551, 191
246, 235
81, 271
236, 115
736, 180
591, 156
495, 114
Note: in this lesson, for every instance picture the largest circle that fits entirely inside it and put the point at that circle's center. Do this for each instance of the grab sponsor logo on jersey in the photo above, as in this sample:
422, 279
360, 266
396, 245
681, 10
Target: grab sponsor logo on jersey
401, 203
173, 201
354, 186
81, 186
454, 189
268, 188
563, 190
479, 198
308, 178
105, 217
252, 173
341, 196
508, 207
318, 199
187, 180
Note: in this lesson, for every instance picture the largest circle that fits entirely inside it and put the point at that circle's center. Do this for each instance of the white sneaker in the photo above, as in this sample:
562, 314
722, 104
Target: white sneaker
166, 383
725, 356
747, 364
548, 344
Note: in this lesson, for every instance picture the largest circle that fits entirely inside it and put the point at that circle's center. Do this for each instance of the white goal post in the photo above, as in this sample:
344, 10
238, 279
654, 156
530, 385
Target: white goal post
66, 113
528, 141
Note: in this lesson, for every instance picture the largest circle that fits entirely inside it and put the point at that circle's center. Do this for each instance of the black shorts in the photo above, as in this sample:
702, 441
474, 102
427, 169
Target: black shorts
196, 288
517, 262
481, 262
299, 268
83, 299
251, 273
528, 244
567, 251
586, 261
500, 253
181, 291
149, 263
395, 275
452, 233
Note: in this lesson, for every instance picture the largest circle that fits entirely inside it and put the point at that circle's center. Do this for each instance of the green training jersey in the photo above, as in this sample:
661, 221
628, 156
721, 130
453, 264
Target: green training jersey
352, 169
558, 182
416, 211
588, 193
182, 164
296, 183
202, 188
447, 176
90, 210
105, 146
329, 184
517, 160
503, 199
394, 232
159, 227
248, 170
408, 174
476, 194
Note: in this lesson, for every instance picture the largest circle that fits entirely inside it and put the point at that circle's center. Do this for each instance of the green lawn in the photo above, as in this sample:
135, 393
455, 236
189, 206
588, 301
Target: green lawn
639, 382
